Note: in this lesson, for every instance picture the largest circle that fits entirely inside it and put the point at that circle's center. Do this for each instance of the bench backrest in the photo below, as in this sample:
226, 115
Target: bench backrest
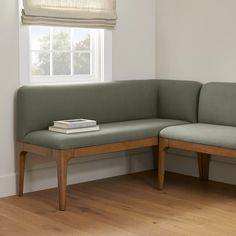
38, 106
178, 99
217, 104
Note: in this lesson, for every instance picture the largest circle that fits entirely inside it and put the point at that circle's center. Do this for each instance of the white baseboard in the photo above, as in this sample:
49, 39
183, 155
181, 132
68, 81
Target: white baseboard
7, 185
222, 169
40, 175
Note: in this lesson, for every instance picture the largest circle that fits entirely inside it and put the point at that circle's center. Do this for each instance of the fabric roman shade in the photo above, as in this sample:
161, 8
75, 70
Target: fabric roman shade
72, 13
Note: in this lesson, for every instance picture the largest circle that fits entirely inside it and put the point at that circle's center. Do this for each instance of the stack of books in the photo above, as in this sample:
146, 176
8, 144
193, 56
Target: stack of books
74, 126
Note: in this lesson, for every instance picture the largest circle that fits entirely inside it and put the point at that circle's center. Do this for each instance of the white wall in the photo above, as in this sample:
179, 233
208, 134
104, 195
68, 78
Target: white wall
133, 58
9, 83
134, 40
196, 41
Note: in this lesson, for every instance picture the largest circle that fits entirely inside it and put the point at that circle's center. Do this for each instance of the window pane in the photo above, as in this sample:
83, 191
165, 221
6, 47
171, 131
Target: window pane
40, 63
81, 39
61, 39
40, 38
61, 63
81, 63
62, 51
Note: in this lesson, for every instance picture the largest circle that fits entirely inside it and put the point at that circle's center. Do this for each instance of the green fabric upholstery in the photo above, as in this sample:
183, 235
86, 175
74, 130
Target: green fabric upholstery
38, 106
109, 133
217, 104
208, 134
111, 104
178, 99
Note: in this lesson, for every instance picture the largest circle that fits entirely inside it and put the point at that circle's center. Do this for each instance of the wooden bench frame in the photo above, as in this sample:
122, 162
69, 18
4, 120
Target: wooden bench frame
204, 153
62, 158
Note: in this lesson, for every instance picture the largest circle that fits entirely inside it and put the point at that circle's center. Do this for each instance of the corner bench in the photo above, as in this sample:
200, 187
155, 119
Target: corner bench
131, 115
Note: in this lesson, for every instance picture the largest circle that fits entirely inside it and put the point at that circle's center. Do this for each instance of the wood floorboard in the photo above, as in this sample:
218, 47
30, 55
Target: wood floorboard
125, 206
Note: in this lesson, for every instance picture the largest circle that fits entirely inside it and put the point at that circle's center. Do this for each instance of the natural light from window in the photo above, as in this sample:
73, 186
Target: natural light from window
64, 54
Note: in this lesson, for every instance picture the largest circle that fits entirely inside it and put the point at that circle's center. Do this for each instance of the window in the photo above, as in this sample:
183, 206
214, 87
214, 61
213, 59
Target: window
64, 55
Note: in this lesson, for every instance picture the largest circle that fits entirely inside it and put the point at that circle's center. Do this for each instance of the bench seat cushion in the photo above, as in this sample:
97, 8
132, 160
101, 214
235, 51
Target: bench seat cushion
208, 134
108, 133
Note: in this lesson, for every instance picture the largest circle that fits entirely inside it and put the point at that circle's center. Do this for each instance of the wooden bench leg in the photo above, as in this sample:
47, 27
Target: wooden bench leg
163, 146
203, 165
62, 165
21, 157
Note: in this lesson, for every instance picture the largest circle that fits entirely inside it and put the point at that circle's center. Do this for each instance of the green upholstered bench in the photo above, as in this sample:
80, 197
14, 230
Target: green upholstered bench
215, 134
131, 114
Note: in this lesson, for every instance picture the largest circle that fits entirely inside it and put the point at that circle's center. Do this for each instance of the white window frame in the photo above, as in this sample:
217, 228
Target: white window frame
101, 72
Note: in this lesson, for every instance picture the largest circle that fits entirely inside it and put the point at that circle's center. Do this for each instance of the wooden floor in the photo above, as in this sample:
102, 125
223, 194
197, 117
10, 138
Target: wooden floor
127, 205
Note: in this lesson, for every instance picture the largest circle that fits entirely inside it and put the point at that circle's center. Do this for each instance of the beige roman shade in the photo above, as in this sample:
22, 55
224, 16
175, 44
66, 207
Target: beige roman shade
72, 13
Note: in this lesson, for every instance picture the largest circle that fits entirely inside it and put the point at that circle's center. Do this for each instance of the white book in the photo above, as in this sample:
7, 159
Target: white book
75, 123
72, 131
